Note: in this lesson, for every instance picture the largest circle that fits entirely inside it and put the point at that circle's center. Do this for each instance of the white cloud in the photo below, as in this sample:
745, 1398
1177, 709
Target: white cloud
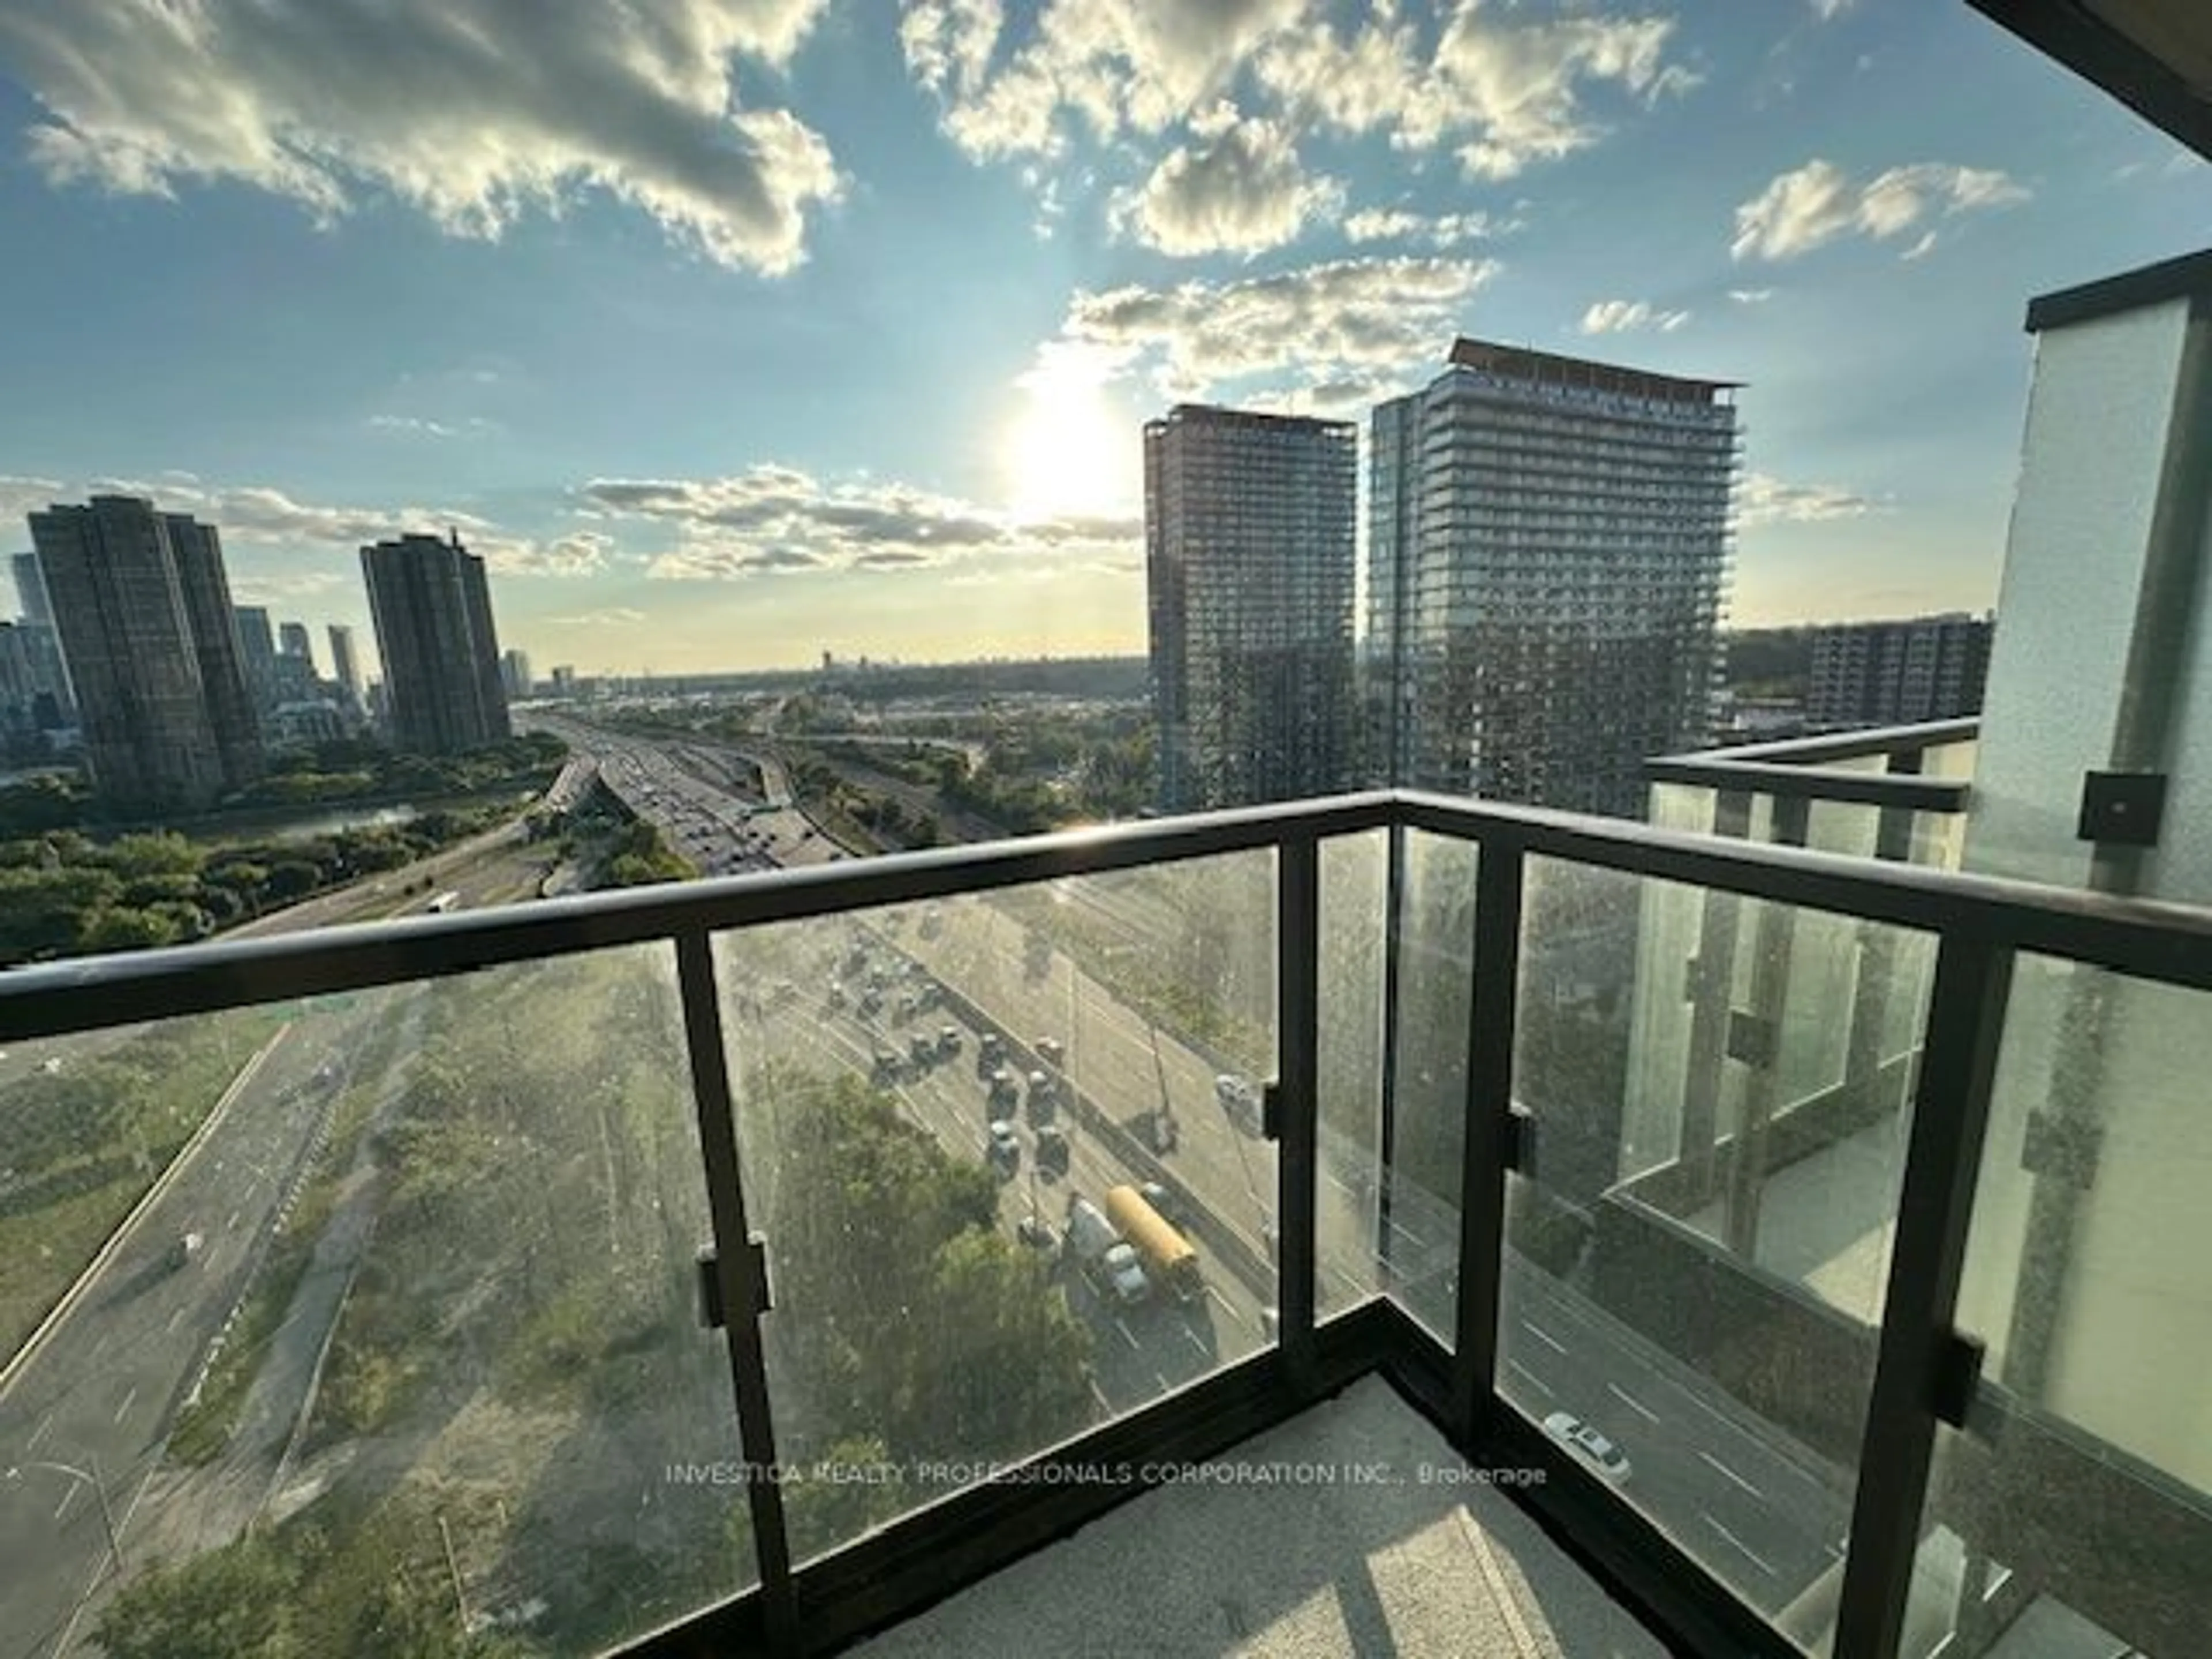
472, 112
1621, 316
418, 426
1816, 203
258, 515
1109, 65
1337, 321
1762, 499
1239, 190
1509, 89
1442, 230
1519, 85
1751, 296
775, 520
620, 615
1831, 9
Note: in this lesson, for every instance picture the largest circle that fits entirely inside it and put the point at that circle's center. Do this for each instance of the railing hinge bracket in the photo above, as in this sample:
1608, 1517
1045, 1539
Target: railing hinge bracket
1518, 1137
1958, 1376
712, 1313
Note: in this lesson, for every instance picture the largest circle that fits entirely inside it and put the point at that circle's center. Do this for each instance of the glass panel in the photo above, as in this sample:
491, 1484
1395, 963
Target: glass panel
1950, 760
1684, 806
1355, 874
1005, 1151
2073, 1516
1707, 1316
1427, 1133
403, 1346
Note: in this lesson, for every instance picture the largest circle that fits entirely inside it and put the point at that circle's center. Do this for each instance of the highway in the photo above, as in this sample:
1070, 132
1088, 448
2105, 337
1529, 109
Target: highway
1140, 1353
1762, 1510
84, 1419
98, 1398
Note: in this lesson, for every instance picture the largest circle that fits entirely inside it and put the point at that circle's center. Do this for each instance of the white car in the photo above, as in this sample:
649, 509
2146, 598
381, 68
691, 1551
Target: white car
1595, 1453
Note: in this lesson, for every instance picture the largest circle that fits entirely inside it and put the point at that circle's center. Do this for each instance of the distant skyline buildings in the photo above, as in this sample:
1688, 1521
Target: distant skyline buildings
345, 667
141, 605
40, 646
1548, 542
293, 640
514, 674
434, 632
257, 642
1898, 674
1251, 565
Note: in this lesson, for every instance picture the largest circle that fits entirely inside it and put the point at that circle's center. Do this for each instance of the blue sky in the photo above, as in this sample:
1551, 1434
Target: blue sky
734, 330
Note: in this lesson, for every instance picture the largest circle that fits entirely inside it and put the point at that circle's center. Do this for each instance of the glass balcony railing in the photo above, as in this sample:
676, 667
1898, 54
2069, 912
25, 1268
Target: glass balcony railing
749, 1263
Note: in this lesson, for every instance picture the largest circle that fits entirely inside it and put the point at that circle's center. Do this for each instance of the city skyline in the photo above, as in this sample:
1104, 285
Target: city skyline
847, 339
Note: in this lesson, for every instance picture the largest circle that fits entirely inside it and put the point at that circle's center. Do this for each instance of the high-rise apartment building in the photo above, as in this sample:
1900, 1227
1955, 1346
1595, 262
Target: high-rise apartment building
1547, 553
293, 640
143, 613
432, 608
514, 674
1897, 673
198, 550
345, 666
1251, 561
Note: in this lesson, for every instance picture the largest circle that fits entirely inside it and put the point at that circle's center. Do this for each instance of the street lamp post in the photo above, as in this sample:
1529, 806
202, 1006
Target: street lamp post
100, 1487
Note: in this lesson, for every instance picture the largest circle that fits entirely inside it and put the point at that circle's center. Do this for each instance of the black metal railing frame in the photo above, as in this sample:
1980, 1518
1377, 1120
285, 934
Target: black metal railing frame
1980, 926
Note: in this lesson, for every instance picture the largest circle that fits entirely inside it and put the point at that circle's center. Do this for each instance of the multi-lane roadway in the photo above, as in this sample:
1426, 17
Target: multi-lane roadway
87, 1408
1765, 1512
83, 1423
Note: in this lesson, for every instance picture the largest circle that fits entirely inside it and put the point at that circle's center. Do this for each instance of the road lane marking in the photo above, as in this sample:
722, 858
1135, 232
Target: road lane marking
128, 1400
1717, 1463
173, 1318
1748, 1553
1543, 1336
1406, 1233
1126, 1336
231, 1225
1515, 1365
1194, 1342
68, 1499
1227, 1306
1331, 1176
1633, 1402
39, 1433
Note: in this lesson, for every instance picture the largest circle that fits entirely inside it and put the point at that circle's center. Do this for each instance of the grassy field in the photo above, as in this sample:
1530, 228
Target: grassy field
83, 1145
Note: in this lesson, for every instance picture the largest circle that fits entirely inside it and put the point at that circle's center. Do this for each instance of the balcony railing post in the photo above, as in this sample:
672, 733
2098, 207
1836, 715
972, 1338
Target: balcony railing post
1492, 1024
1934, 1206
1298, 979
1386, 1136
738, 1286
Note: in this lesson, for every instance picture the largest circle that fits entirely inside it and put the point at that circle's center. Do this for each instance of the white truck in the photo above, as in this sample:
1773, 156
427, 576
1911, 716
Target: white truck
1105, 1257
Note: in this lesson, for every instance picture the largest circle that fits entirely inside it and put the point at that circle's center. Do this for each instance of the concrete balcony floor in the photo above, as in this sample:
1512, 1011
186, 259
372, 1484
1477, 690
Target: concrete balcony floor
1297, 1569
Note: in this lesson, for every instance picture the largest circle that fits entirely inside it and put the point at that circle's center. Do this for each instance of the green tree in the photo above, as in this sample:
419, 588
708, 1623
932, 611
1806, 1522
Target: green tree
1003, 1372
233, 1603
293, 878
117, 928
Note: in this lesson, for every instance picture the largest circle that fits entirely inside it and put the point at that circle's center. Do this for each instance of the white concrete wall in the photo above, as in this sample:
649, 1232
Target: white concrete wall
2135, 1345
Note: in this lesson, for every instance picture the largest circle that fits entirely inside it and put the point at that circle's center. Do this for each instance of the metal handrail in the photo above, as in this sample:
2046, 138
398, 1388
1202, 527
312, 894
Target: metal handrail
1982, 926
2165, 942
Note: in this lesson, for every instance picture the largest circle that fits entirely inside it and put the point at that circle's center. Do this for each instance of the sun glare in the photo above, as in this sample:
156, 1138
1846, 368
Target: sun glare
1068, 454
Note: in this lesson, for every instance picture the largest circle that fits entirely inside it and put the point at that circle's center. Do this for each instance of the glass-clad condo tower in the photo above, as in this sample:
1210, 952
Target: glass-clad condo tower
1549, 554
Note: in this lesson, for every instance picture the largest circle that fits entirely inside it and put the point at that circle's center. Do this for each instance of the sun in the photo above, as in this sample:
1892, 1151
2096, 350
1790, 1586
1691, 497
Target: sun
1069, 454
